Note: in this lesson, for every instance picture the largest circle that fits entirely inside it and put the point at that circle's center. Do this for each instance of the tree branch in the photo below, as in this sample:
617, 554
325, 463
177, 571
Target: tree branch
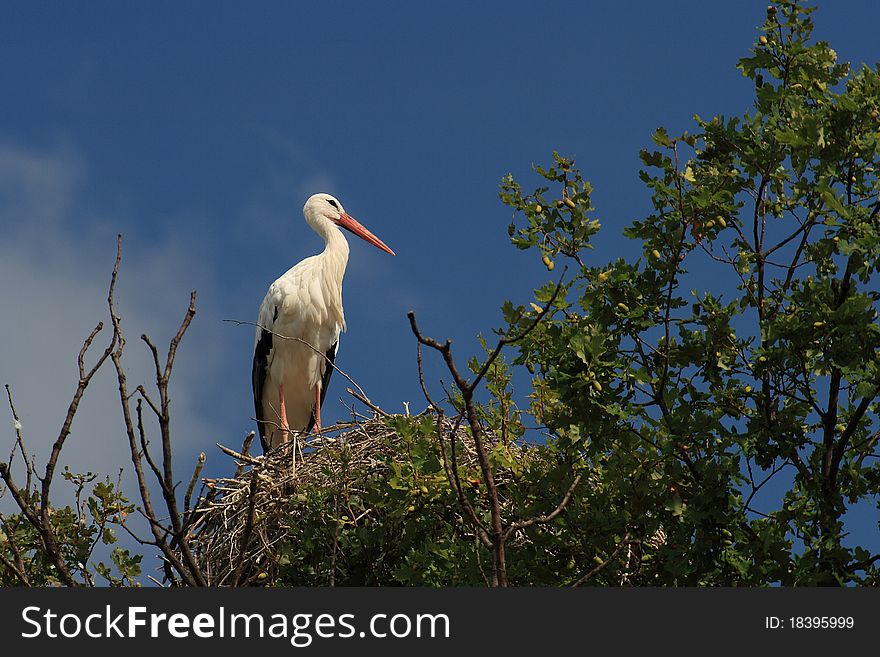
602, 566
539, 520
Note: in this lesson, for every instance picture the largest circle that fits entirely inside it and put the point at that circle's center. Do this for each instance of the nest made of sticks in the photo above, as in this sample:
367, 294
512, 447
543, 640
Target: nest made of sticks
238, 528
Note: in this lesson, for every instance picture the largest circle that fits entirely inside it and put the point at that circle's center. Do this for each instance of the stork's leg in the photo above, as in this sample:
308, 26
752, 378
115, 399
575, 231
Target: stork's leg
318, 408
285, 427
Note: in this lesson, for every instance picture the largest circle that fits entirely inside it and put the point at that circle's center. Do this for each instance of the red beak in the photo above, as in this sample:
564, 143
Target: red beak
350, 223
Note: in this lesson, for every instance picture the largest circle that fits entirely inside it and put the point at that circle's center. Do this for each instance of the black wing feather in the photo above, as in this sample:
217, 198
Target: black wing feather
258, 377
325, 381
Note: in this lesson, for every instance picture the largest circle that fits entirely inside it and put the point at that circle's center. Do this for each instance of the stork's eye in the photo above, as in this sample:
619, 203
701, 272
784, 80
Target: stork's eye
333, 203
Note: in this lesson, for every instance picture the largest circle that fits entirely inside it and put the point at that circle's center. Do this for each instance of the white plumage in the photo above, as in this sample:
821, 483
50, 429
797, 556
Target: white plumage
298, 329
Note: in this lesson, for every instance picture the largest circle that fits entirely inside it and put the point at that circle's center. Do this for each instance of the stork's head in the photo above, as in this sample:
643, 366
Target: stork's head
320, 208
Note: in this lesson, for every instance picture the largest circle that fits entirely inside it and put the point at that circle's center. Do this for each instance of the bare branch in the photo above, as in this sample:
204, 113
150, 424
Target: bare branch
187, 500
143, 393
236, 455
19, 440
507, 340
366, 402
467, 392
44, 526
248, 527
189, 572
428, 398
144, 445
245, 452
175, 341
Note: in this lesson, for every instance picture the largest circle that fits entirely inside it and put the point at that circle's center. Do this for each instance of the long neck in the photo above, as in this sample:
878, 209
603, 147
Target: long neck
335, 253
334, 259
335, 244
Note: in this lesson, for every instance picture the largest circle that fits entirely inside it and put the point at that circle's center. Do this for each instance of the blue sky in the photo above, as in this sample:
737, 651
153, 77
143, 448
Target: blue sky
199, 129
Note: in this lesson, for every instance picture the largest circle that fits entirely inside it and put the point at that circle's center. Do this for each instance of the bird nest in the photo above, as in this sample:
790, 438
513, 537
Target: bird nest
239, 528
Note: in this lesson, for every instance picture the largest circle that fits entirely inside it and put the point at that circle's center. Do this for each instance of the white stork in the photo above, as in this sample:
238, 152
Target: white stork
298, 328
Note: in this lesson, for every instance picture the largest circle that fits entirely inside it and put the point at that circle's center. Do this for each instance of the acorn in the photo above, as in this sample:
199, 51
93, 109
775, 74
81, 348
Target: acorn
597, 386
656, 254
818, 324
569, 202
875, 113
538, 209
548, 263
722, 222
622, 306
603, 276
748, 389
763, 40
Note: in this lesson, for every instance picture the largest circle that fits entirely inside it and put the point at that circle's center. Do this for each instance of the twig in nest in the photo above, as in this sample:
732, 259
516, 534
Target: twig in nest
222, 536
367, 402
236, 455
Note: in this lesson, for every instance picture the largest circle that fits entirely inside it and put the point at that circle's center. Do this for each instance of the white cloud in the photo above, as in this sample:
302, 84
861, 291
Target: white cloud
55, 263
36, 188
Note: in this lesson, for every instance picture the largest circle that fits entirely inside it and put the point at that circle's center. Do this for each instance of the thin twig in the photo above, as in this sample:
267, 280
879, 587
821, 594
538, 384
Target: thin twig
248, 527
367, 402
187, 500
188, 569
327, 360
539, 520
602, 566
236, 455
19, 441
245, 452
